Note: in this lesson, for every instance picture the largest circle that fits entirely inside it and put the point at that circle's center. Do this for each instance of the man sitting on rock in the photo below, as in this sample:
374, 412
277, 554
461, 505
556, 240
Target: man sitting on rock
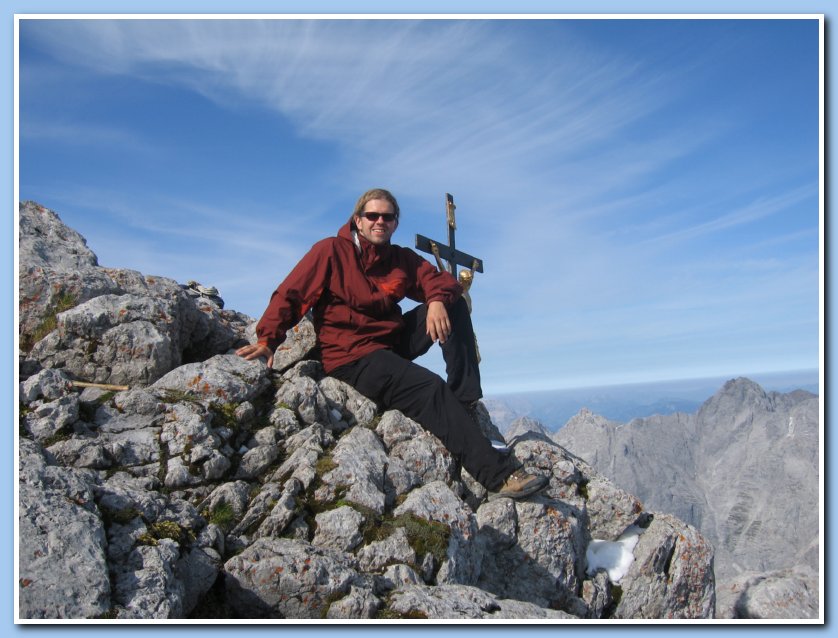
353, 283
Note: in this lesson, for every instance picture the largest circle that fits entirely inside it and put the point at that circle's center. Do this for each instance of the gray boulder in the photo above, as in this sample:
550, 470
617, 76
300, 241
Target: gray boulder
299, 343
46, 242
62, 563
57, 270
113, 339
339, 529
349, 404
283, 578
358, 603
282, 513
377, 555
258, 507
436, 502
358, 475
46, 384
161, 558
789, 594
107, 325
458, 602
223, 379
47, 420
672, 574
145, 583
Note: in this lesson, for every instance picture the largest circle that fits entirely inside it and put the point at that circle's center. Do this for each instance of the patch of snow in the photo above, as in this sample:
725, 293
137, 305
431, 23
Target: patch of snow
615, 557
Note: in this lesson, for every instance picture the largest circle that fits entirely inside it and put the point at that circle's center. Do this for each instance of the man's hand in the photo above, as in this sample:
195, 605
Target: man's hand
255, 351
438, 324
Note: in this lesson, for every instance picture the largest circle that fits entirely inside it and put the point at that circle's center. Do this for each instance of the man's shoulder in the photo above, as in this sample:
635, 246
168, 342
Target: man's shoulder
326, 241
331, 243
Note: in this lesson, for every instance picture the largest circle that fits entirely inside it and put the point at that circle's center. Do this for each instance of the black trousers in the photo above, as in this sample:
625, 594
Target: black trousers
393, 381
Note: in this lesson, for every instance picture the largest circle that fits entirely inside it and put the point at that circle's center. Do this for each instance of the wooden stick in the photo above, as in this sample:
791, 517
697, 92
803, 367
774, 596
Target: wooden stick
103, 386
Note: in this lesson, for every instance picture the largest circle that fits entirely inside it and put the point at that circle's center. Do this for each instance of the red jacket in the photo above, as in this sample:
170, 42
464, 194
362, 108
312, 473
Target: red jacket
354, 294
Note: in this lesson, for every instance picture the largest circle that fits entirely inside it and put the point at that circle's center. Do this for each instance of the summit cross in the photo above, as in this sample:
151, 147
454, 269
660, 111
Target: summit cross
449, 253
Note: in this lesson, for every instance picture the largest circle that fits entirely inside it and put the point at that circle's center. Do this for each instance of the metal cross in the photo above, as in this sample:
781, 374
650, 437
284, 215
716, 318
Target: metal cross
450, 253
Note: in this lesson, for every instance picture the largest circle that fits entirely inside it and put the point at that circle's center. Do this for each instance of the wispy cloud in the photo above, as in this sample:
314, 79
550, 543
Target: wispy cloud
580, 169
79, 134
755, 210
387, 91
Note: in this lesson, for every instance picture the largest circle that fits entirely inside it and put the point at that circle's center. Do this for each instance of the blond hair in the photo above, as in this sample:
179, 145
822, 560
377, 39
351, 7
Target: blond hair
375, 193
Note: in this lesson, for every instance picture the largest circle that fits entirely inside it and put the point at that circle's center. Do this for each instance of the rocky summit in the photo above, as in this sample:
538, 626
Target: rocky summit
163, 477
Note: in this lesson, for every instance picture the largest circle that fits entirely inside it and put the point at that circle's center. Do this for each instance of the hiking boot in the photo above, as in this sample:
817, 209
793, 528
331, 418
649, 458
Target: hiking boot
521, 484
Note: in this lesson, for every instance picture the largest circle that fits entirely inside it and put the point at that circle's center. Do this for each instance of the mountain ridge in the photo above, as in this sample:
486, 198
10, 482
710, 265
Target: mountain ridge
743, 469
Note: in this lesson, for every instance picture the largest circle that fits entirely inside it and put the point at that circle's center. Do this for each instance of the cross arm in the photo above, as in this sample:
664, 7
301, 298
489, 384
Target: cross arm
456, 257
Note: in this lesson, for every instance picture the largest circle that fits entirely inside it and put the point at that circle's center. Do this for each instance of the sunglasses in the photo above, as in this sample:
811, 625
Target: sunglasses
374, 217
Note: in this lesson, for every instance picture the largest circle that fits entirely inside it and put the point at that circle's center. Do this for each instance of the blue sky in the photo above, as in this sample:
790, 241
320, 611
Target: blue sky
644, 193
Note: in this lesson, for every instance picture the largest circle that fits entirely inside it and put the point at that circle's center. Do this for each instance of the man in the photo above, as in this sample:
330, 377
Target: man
353, 283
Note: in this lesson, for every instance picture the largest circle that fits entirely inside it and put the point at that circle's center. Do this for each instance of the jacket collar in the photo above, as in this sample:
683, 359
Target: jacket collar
367, 252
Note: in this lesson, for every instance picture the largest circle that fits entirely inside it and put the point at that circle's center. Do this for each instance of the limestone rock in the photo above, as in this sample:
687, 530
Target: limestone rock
259, 507
299, 342
436, 502
112, 339
283, 578
145, 585
358, 603
379, 554
339, 529
152, 539
283, 513
222, 379
45, 241
359, 473
790, 594
454, 602
304, 397
351, 406
62, 564
46, 384
672, 574
230, 497
50, 419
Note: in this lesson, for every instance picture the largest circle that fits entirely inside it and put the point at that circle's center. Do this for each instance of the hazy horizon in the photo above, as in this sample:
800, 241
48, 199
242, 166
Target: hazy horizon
772, 380
624, 402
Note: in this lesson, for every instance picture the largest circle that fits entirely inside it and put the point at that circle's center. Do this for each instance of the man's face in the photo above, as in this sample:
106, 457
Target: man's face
376, 232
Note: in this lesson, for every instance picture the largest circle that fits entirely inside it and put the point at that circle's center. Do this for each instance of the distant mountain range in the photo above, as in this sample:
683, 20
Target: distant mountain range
622, 403
743, 469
